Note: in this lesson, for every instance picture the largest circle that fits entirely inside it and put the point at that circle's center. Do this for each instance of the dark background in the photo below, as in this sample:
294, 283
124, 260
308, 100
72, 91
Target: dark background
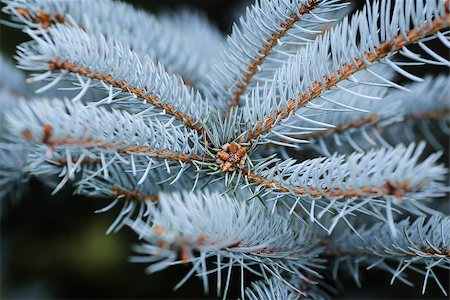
56, 248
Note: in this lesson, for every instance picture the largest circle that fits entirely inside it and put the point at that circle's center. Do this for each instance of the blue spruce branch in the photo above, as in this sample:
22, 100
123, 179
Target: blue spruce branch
146, 112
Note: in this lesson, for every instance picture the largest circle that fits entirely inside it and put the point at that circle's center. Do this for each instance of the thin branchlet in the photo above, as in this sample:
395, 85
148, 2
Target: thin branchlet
374, 120
119, 147
252, 68
347, 70
184, 30
341, 128
74, 160
332, 251
367, 176
133, 195
65, 65
389, 189
175, 237
418, 245
43, 18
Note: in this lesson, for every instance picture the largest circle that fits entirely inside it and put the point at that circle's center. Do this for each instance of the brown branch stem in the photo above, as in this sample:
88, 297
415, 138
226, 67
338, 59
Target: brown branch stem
128, 195
374, 120
43, 18
51, 141
134, 195
428, 115
86, 161
252, 67
331, 251
397, 190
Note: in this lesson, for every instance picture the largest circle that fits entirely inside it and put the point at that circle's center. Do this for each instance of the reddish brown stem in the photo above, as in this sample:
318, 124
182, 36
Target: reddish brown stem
374, 121
340, 128
397, 190
41, 17
252, 67
134, 195
119, 147
332, 251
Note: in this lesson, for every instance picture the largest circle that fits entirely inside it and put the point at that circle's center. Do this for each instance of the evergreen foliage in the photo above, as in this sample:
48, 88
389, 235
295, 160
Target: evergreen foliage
132, 106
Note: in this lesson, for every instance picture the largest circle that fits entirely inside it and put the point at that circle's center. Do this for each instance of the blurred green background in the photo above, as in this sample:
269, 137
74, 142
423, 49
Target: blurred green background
56, 247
